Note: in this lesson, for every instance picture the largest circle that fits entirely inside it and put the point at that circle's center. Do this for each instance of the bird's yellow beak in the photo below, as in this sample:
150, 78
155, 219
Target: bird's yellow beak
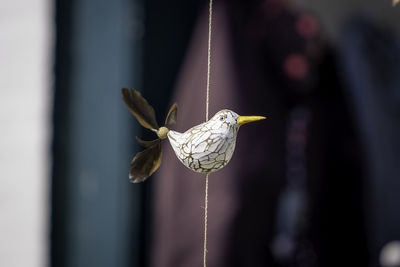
246, 119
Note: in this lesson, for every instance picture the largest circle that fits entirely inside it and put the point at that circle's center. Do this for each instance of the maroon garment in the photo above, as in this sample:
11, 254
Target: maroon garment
266, 60
179, 192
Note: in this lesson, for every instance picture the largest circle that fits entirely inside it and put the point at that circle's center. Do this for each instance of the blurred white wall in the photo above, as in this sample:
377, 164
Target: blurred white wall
25, 113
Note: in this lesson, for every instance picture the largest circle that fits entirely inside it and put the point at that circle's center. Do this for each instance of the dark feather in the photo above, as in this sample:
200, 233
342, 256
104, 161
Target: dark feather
145, 163
147, 143
171, 117
140, 108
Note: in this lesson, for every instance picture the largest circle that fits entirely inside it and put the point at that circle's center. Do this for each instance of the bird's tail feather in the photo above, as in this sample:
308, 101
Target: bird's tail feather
147, 144
171, 116
140, 108
146, 162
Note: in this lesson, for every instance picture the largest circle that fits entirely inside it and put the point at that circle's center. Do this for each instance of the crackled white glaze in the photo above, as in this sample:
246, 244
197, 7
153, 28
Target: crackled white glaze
209, 146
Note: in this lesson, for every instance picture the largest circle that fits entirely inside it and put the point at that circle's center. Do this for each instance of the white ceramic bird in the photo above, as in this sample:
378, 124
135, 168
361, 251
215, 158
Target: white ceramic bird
209, 146
204, 148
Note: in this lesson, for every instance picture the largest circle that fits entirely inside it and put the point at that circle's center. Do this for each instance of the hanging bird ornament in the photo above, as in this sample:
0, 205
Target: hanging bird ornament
204, 148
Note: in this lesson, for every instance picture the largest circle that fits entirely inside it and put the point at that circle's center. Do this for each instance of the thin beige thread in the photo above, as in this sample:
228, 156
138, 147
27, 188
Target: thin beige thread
205, 223
207, 105
209, 59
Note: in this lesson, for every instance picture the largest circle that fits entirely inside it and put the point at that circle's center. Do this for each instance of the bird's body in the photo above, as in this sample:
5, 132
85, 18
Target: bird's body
209, 146
204, 148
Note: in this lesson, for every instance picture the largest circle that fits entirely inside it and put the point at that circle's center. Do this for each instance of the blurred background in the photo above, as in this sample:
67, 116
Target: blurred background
317, 184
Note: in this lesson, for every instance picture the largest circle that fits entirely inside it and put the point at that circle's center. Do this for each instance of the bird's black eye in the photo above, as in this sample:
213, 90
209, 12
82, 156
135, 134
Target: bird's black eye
221, 118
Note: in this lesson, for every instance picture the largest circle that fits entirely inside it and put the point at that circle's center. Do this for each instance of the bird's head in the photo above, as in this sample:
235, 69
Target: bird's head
227, 119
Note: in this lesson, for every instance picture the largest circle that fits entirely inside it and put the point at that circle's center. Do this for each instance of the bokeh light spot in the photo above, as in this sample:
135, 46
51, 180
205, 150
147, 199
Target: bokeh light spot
296, 66
306, 26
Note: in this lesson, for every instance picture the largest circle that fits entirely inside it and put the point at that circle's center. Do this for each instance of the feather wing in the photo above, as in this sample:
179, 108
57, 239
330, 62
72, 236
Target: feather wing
171, 116
145, 163
140, 108
146, 144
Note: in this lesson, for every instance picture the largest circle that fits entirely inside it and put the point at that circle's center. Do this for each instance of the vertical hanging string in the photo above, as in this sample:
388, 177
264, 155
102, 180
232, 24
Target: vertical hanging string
208, 60
207, 104
205, 223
